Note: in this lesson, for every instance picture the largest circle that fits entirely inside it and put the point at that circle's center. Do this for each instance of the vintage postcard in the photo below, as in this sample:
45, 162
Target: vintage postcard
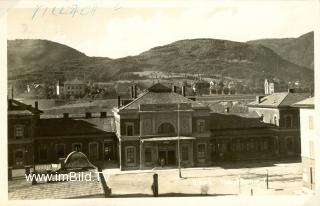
169, 101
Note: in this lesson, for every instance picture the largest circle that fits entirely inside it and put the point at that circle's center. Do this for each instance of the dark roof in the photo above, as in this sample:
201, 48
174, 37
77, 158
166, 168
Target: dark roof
232, 121
160, 94
69, 126
281, 99
18, 108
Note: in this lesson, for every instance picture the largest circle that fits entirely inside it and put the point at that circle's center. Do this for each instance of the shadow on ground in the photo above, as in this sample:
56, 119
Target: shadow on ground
167, 195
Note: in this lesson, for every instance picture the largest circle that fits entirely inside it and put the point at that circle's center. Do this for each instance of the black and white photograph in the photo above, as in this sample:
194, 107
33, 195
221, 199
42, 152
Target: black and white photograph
160, 99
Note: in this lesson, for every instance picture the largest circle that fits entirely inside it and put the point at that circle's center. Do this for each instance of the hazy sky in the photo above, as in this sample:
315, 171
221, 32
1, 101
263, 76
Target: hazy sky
123, 30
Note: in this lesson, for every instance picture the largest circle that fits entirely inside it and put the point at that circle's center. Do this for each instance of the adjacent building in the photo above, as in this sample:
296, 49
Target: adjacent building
277, 110
308, 138
22, 121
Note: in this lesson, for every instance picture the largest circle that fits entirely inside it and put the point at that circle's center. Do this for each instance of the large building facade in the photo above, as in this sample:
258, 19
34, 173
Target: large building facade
159, 127
308, 138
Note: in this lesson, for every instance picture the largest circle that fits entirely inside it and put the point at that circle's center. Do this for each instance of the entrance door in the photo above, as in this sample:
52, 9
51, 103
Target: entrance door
163, 155
171, 157
108, 151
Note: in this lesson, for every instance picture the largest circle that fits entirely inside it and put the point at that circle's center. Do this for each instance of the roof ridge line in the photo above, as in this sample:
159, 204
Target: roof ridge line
283, 98
127, 105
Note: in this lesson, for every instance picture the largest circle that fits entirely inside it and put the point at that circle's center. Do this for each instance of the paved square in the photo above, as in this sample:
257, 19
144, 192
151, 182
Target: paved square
284, 179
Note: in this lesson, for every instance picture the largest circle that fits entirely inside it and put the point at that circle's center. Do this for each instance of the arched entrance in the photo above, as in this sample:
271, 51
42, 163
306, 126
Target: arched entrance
166, 128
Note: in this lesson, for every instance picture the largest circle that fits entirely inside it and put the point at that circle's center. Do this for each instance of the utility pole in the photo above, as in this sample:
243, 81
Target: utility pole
179, 161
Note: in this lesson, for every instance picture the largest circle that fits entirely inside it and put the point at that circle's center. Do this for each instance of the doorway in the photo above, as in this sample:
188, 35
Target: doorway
169, 157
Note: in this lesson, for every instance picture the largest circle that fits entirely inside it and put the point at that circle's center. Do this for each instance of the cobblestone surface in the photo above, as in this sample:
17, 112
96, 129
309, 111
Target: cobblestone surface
20, 188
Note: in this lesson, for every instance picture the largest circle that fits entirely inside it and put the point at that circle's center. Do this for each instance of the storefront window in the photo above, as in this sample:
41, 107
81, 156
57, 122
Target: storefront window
201, 150
185, 153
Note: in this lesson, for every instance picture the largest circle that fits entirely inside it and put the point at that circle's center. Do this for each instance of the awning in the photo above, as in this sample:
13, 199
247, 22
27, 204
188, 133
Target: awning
153, 139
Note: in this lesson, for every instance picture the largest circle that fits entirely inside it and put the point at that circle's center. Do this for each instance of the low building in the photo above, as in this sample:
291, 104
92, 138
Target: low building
308, 138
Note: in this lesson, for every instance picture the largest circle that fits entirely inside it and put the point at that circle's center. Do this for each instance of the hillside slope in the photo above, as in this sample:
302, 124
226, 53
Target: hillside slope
296, 50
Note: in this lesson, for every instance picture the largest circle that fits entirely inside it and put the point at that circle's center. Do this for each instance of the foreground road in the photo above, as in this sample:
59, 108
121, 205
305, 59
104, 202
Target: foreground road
235, 179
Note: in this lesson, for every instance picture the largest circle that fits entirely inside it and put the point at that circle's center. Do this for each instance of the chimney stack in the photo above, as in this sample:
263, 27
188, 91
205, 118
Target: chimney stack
135, 91
65, 115
119, 101
258, 99
174, 88
36, 105
184, 90
291, 90
132, 92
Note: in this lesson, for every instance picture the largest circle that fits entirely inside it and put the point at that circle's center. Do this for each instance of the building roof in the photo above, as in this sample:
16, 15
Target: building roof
160, 94
74, 81
306, 103
281, 99
18, 108
70, 126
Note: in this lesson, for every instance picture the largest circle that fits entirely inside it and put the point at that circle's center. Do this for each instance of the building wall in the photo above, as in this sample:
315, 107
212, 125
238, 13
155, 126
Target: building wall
74, 89
23, 144
308, 138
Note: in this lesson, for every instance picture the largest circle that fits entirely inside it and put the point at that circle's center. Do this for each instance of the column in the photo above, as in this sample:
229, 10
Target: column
120, 156
141, 165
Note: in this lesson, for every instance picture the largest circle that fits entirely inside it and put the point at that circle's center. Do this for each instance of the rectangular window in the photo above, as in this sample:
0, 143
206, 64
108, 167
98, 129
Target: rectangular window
201, 150
288, 121
185, 153
43, 152
77, 147
311, 127
147, 155
60, 148
130, 155
93, 151
311, 148
200, 125
19, 131
129, 128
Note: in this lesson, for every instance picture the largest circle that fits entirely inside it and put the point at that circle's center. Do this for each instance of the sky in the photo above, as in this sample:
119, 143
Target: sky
121, 30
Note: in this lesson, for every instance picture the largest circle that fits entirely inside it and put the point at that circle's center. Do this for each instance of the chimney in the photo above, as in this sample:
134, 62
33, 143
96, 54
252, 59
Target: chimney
174, 88
88, 115
119, 101
36, 105
65, 115
132, 92
135, 91
184, 90
258, 99
103, 114
291, 90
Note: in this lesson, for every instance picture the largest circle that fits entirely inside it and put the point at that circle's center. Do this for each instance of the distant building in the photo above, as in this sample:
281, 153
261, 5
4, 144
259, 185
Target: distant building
268, 87
276, 109
74, 87
308, 138
201, 87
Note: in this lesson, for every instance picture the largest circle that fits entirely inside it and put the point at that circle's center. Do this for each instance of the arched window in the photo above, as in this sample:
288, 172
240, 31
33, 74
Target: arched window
275, 120
166, 128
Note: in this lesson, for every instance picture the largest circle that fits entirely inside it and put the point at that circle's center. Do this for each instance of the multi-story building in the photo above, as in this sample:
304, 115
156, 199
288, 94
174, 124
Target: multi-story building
148, 129
308, 138
22, 120
74, 87
276, 109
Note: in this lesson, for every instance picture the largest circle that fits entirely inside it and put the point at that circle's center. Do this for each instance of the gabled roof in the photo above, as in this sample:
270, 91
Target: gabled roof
160, 94
306, 103
281, 99
18, 108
